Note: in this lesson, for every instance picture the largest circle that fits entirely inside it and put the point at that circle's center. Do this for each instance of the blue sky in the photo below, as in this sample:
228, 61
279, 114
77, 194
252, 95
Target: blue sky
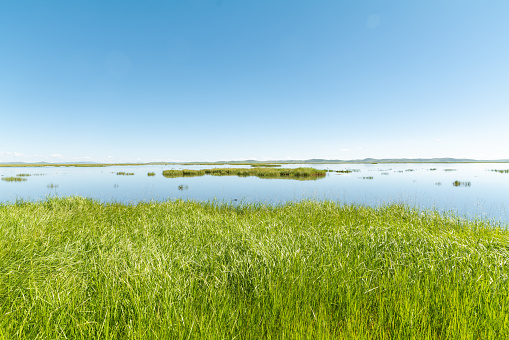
127, 81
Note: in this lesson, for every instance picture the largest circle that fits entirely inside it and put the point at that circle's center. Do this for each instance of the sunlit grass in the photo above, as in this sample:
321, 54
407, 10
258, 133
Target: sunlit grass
75, 268
122, 173
298, 173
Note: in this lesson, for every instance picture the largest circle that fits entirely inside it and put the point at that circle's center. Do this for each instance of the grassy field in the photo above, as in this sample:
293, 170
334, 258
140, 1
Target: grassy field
298, 173
75, 268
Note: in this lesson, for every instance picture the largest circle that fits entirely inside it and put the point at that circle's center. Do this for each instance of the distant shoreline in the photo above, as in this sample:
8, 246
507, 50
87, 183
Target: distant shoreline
250, 162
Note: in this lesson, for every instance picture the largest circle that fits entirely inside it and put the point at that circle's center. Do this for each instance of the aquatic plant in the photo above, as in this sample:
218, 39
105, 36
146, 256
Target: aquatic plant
151, 174
122, 173
367, 177
183, 187
52, 186
23, 175
462, 184
14, 179
501, 171
450, 169
270, 173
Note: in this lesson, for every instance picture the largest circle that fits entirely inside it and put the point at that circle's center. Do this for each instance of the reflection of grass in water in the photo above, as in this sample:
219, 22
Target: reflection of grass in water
269, 173
367, 177
317, 270
450, 169
122, 173
461, 184
52, 186
384, 173
410, 170
14, 179
151, 174
438, 183
501, 171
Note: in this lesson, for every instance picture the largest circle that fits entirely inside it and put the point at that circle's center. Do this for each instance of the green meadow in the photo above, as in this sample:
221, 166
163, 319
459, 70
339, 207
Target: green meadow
73, 268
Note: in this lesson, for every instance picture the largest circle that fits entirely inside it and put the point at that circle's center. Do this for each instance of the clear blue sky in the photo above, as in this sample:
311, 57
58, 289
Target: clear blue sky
125, 81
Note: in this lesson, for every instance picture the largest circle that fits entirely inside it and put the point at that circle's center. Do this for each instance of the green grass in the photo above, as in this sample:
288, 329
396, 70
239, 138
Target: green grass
298, 173
123, 173
14, 179
75, 268
461, 184
501, 171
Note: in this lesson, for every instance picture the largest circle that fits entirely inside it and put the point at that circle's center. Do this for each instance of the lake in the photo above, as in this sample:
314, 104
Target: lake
471, 190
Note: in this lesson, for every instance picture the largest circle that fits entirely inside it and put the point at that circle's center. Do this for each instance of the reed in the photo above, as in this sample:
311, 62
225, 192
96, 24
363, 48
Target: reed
122, 173
269, 173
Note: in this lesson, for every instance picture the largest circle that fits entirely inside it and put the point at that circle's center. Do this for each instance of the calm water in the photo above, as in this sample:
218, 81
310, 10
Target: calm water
414, 184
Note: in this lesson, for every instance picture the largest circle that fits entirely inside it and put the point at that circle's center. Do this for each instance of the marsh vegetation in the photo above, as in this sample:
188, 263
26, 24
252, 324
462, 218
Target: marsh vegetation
506, 171
298, 173
75, 268
14, 179
122, 173
461, 184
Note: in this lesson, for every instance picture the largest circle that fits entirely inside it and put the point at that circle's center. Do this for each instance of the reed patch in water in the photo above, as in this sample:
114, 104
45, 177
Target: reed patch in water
122, 173
14, 179
269, 173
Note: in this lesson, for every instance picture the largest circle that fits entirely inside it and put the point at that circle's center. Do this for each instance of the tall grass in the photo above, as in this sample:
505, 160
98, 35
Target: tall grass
298, 173
75, 268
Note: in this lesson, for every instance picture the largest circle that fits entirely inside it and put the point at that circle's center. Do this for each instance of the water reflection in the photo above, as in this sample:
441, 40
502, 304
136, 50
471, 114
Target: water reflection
474, 190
